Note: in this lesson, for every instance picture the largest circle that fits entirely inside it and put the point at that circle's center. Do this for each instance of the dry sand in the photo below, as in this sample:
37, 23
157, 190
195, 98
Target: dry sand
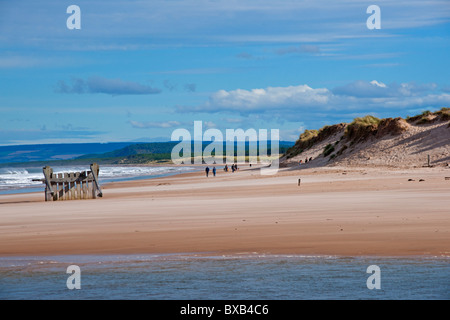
335, 211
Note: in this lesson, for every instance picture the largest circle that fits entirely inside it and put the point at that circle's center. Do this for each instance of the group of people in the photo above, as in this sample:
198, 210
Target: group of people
234, 168
306, 160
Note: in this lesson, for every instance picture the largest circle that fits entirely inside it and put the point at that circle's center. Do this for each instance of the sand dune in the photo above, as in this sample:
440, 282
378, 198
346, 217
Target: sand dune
398, 144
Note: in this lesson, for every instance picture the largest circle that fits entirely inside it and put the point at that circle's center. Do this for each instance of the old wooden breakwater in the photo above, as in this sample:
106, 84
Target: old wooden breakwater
71, 185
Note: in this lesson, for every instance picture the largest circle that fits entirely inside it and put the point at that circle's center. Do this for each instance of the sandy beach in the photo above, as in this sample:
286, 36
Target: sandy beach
334, 211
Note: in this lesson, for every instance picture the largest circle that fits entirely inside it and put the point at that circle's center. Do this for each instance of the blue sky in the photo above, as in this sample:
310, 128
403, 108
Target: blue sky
137, 70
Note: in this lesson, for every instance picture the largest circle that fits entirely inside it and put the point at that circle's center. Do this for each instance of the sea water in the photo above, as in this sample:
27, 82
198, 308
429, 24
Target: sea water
229, 277
18, 180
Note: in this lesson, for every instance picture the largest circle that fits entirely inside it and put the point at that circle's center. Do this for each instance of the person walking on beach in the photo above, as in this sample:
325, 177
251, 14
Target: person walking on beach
207, 171
214, 171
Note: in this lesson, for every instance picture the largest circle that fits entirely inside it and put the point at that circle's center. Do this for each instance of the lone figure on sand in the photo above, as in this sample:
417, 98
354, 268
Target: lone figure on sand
214, 171
207, 171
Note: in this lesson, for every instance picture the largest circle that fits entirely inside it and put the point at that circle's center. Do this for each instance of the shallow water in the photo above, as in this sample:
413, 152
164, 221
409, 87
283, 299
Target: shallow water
236, 277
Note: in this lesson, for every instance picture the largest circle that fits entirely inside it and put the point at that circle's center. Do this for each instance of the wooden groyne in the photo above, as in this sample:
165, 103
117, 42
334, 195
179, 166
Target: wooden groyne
71, 185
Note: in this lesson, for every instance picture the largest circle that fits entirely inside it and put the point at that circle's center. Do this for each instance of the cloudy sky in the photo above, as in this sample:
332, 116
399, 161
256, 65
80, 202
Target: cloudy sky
137, 70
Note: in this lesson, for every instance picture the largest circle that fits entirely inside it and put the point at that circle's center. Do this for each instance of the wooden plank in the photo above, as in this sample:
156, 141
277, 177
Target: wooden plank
55, 195
74, 190
91, 190
60, 188
56, 192
67, 190
78, 190
84, 187
71, 179
70, 190
77, 185
64, 185
69, 187
72, 187
88, 190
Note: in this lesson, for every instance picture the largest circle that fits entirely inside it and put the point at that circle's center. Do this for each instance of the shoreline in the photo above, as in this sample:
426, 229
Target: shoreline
95, 258
30, 189
364, 212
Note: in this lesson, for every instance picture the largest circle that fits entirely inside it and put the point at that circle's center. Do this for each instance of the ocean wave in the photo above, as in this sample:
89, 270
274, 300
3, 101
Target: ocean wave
19, 178
7, 171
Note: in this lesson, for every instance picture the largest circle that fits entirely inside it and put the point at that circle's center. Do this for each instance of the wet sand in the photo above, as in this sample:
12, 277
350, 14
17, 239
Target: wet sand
334, 211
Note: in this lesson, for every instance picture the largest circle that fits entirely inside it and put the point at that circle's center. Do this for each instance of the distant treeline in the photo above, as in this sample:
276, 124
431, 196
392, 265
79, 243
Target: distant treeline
166, 148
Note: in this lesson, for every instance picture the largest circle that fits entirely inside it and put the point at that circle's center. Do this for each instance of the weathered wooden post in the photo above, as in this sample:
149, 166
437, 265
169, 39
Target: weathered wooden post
49, 192
95, 172
299, 181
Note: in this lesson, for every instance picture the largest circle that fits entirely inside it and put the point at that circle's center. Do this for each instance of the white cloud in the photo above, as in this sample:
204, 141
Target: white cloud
298, 102
376, 89
378, 84
271, 97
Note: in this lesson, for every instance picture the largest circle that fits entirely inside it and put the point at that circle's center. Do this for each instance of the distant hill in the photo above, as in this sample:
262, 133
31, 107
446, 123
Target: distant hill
163, 148
369, 141
111, 153
44, 152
